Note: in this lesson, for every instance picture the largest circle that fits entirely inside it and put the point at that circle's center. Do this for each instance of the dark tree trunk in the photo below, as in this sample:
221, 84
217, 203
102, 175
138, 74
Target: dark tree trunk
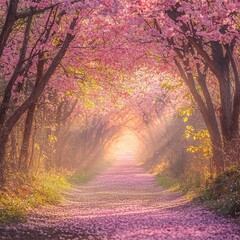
8, 25
33, 98
222, 65
209, 117
17, 72
23, 158
3, 143
219, 63
217, 159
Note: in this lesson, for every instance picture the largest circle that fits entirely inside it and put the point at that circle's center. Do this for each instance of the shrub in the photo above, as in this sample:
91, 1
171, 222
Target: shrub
223, 194
12, 209
50, 190
34, 191
27, 192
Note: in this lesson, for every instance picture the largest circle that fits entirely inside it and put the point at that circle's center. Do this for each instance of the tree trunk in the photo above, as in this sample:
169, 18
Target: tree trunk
218, 158
23, 158
33, 98
219, 64
3, 143
8, 25
209, 118
30, 164
17, 72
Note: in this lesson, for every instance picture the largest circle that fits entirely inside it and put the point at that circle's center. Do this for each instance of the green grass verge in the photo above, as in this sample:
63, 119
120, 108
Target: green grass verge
30, 192
25, 193
168, 182
222, 195
81, 177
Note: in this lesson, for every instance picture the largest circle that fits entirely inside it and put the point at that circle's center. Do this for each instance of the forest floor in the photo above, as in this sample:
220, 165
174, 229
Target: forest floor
123, 203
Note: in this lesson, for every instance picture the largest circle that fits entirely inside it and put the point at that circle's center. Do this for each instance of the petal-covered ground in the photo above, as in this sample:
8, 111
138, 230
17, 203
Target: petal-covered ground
123, 203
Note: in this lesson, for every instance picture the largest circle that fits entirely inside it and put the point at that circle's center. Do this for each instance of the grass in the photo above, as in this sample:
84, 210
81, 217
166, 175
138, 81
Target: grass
81, 177
168, 182
222, 195
26, 193
12, 209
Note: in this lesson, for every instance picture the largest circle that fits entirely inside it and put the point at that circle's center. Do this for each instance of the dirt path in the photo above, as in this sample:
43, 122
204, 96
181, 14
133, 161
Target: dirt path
123, 203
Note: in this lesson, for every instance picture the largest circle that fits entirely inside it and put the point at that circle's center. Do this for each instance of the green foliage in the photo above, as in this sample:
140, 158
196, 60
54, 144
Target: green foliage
50, 190
171, 85
167, 182
34, 191
81, 177
192, 182
12, 209
28, 192
190, 185
223, 194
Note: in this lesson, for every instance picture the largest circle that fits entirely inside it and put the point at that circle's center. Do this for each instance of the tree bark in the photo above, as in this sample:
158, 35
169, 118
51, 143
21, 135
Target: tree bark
3, 142
33, 98
208, 117
17, 72
23, 158
219, 63
8, 25
230, 105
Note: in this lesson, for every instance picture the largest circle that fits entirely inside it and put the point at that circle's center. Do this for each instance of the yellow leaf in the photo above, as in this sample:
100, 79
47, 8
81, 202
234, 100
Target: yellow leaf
185, 119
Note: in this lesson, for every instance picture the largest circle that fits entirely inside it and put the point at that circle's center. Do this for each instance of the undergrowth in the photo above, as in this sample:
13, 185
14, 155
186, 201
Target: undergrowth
24, 193
81, 177
222, 195
168, 182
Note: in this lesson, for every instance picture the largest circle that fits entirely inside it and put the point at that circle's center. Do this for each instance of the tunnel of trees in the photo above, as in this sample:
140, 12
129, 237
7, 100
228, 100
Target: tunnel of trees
75, 75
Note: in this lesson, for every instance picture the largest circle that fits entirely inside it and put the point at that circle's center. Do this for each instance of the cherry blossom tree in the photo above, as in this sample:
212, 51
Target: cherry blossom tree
88, 47
35, 37
201, 39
